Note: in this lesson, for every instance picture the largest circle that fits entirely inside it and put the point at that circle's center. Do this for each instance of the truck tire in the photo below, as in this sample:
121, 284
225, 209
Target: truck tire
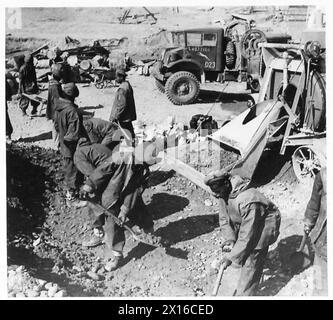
317, 93
230, 55
160, 85
182, 88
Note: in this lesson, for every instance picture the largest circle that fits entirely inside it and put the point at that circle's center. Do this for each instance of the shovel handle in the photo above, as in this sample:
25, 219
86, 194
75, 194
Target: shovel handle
219, 278
123, 225
302, 245
123, 131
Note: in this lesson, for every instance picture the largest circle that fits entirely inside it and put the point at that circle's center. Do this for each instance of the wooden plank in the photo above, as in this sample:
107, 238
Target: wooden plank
187, 171
35, 97
298, 94
40, 48
150, 14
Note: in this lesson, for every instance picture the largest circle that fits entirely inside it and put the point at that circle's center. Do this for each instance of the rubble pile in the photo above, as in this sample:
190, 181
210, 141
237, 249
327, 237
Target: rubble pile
43, 230
21, 284
186, 144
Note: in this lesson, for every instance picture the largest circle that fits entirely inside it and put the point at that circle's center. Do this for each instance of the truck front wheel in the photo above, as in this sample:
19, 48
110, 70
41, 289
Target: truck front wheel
159, 85
182, 88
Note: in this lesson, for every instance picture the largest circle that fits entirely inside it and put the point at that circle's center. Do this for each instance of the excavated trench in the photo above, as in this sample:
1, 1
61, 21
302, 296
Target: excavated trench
38, 234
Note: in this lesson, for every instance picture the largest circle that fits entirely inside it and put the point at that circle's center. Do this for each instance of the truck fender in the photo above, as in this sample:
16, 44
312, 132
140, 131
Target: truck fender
187, 65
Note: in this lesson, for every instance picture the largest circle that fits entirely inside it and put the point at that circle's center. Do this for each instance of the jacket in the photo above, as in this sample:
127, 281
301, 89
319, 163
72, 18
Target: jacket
54, 93
123, 109
69, 125
98, 129
315, 214
119, 181
251, 221
8, 93
88, 158
28, 79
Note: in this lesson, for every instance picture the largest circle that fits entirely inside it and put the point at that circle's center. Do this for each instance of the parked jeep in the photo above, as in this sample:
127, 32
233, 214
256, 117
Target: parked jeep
210, 54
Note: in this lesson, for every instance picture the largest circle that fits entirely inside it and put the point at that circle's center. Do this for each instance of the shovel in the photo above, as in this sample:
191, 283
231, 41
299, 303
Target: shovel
149, 240
219, 278
300, 260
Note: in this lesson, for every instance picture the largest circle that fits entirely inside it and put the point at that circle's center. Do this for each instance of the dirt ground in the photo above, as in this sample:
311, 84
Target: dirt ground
45, 235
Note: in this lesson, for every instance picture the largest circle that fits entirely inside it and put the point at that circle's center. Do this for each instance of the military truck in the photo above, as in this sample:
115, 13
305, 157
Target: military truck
210, 54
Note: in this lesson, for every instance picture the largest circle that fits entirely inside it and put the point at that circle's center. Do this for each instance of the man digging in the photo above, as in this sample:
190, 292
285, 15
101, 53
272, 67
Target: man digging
103, 132
249, 223
118, 184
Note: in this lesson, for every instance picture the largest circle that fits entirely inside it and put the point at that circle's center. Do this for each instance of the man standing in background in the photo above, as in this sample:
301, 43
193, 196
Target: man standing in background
123, 110
54, 93
69, 125
27, 84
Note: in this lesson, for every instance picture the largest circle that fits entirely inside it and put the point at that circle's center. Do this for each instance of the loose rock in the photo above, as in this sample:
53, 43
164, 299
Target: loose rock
93, 275
52, 291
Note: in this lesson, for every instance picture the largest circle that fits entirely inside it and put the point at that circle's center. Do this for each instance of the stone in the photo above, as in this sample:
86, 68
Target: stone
32, 293
37, 288
93, 275
101, 270
41, 282
52, 291
11, 274
95, 268
55, 269
61, 293
76, 268
208, 203
48, 285
20, 269
43, 293
20, 295
37, 242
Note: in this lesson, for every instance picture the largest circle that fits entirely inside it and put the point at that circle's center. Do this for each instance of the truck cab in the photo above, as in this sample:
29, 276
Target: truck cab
194, 56
209, 54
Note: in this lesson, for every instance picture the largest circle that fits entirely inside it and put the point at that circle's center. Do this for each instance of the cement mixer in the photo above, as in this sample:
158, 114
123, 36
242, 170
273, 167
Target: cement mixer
290, 112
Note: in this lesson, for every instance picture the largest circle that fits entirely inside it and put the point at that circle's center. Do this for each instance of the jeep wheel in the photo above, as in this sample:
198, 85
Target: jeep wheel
182, 88
160, 85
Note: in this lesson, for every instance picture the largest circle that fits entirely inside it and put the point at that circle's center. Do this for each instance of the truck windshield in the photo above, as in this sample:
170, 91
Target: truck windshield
178, 39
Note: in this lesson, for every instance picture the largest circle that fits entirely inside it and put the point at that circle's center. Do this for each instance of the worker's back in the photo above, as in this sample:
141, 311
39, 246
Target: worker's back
268, 224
